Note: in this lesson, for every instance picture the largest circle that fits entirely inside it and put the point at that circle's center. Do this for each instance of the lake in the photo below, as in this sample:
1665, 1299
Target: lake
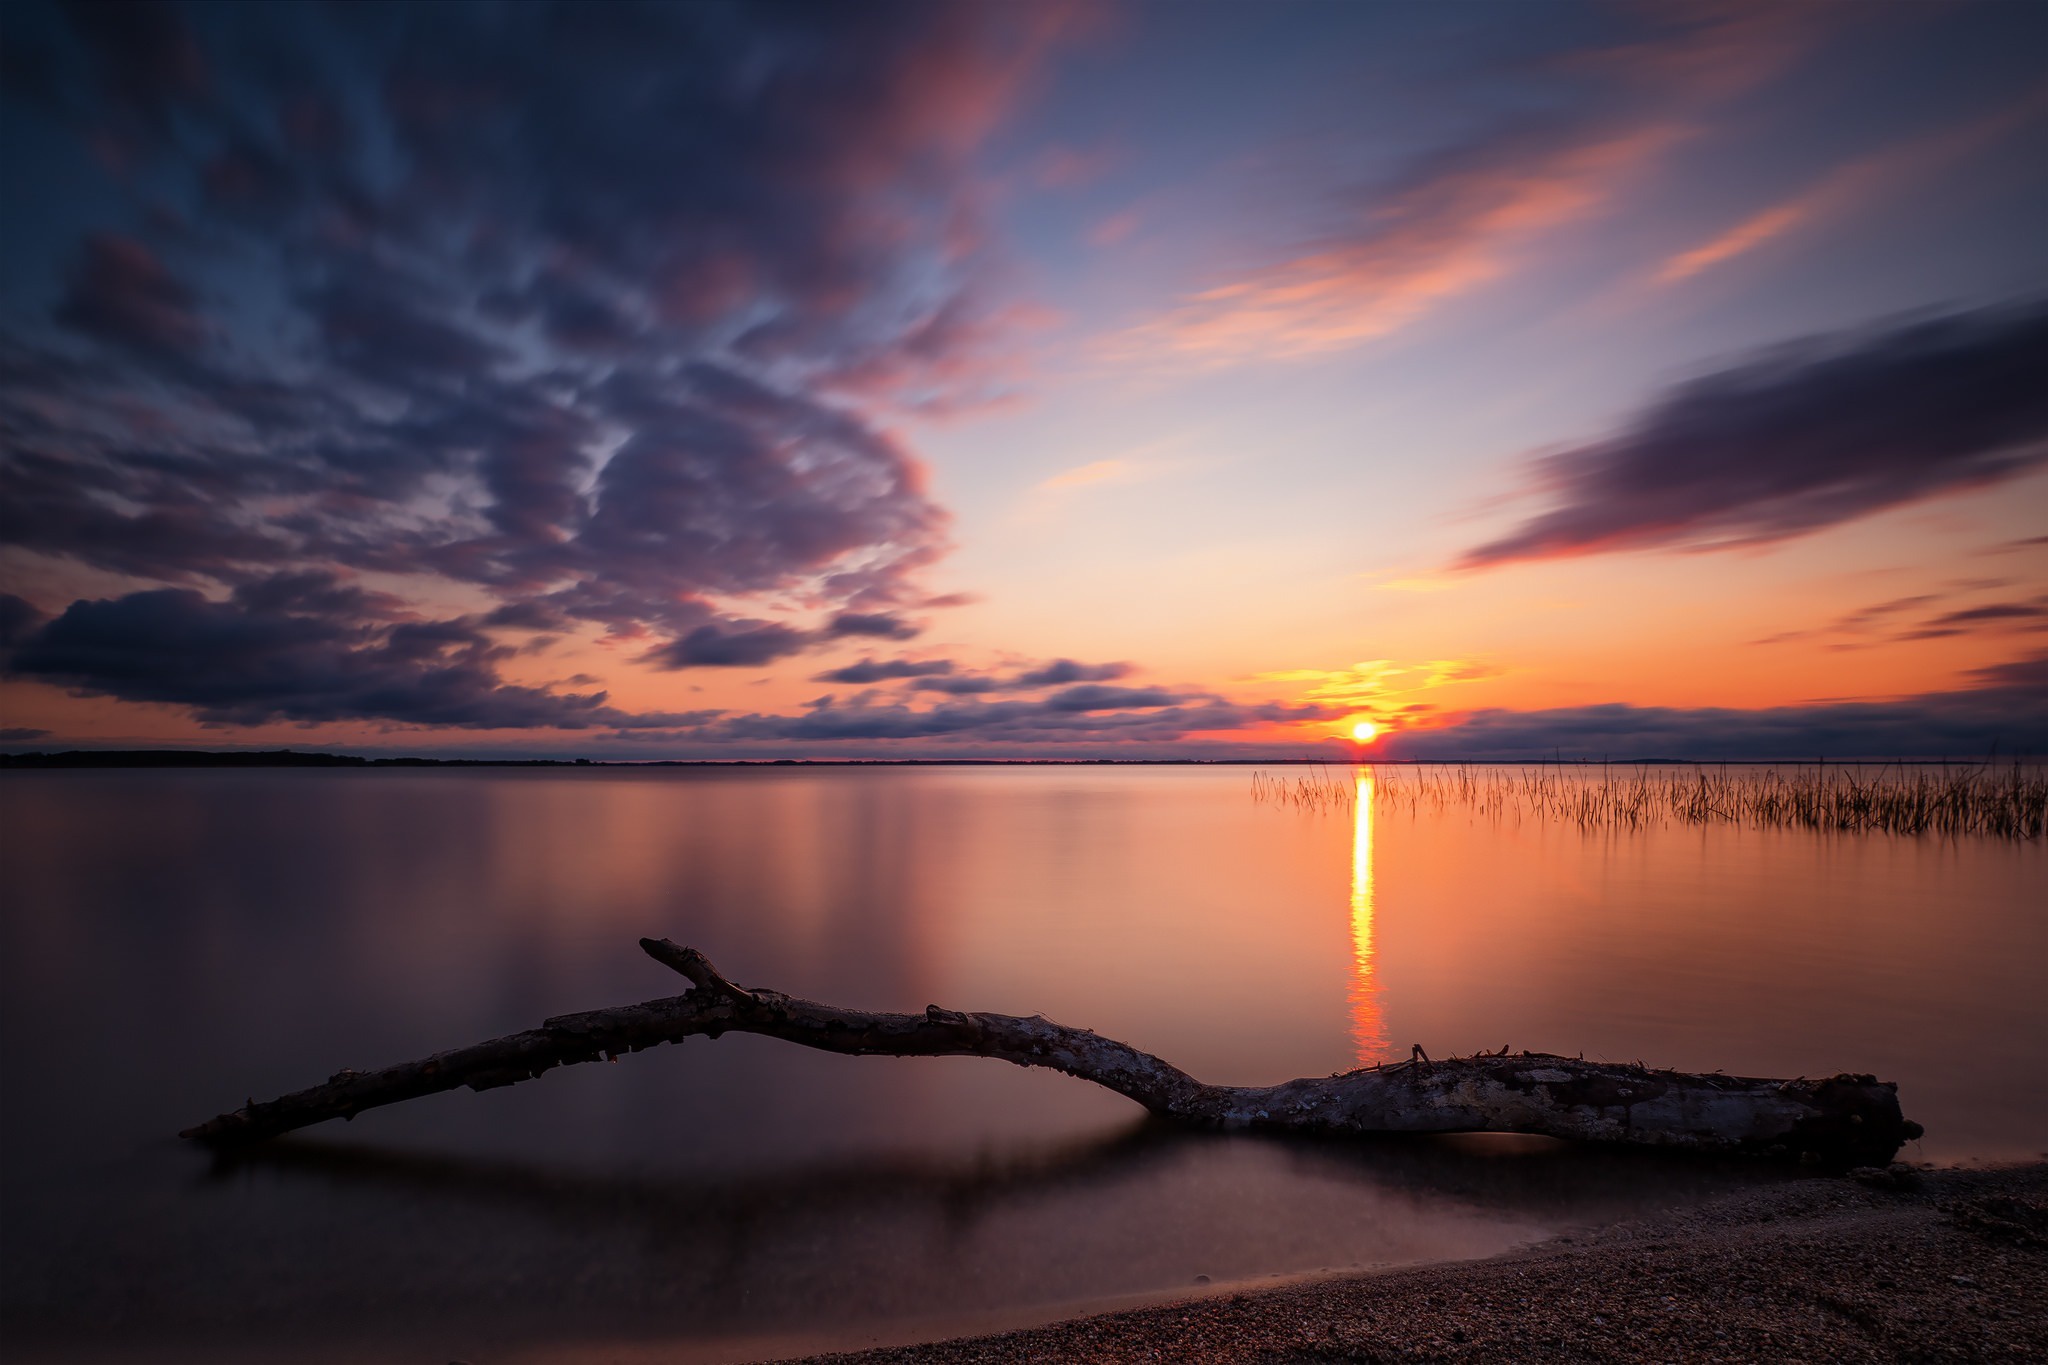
177, 941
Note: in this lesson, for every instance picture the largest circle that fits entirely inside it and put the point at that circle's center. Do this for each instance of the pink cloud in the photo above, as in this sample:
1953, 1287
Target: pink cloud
1853, 183
1472, 218
1066, 168
1443, 237
1114, 229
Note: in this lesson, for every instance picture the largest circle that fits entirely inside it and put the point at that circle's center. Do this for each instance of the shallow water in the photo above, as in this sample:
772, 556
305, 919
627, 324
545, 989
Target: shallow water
176, 941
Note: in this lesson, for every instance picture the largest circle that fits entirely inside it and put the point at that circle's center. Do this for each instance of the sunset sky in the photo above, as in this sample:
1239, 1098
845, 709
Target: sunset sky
1026, 380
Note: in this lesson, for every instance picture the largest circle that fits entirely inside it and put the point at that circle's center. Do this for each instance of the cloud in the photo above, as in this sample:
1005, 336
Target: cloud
1095, 697
965, 685
1851, 183
146, 62
873, 625
305, 648
886, 670
1453, 229
2027, 675
527, 616
602, 313
1376, 684
1745, 236
1089, 475
744, 645
2028, 615
1066, 168
945, 676
375, 328
1802, 437
120, 293
1861, 621
1062, 671
1463, 217
750, 644
1115, 229
1080, 718
1995, 611
1881, 623
19, 619
2002, 712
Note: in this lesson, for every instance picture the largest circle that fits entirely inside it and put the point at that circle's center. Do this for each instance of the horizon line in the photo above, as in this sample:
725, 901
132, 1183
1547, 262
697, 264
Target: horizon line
301, 758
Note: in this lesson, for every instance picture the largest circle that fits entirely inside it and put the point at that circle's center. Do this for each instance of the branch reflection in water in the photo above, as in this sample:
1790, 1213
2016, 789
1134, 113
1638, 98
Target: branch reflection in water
885, 1248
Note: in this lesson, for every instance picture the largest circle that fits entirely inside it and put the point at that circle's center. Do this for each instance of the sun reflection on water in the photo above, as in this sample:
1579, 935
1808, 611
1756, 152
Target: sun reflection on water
1368, 1026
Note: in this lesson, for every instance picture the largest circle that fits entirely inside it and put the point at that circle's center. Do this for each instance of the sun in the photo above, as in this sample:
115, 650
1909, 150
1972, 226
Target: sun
1364, 732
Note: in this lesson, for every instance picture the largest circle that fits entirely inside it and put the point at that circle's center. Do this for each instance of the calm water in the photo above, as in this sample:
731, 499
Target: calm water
174, 942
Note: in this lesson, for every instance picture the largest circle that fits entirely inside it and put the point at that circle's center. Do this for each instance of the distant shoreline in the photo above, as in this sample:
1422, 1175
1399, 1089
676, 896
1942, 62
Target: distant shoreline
293, 758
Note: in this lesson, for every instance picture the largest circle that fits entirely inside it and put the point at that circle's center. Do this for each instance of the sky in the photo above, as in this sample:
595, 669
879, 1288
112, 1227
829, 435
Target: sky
1032, 381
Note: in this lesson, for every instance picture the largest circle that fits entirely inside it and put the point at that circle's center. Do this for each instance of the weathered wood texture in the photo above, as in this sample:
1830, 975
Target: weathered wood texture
1845, 1120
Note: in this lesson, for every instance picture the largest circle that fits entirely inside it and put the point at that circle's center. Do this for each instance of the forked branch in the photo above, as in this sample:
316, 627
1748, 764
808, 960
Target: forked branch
1849, 1120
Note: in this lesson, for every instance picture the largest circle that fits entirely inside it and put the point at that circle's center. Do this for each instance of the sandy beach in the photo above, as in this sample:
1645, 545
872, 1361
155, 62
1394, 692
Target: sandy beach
1928, 1265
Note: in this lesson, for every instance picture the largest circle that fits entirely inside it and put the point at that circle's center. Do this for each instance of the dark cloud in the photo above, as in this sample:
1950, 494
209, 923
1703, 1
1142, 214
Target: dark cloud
143, 53
1093, 697
527, 616
20, 734
136, 517
1878, 624
1803, 437
741, 645
120, 293
746, 644
729, 485
2004, 712
302, 648
595, 308
1144, 717
375, 328
869, 671
1989, 616
878, 625
2027, 677
963, 685
1062, 671
945, 677
1994, 611
18, 619
1058, 673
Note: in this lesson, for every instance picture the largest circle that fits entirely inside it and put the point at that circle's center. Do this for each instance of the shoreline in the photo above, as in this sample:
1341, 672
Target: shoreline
1949, 1263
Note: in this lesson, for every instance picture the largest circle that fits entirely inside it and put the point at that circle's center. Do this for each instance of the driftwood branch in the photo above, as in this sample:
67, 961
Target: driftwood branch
1846, 1120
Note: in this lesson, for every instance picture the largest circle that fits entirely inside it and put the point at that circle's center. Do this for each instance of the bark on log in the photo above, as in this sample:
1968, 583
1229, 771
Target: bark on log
1846, 1120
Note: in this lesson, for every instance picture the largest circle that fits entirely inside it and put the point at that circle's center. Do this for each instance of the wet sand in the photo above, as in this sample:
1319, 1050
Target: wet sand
1938, 1265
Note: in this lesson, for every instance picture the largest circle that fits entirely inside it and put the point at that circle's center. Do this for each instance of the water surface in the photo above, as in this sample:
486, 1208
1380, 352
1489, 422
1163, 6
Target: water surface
177, 941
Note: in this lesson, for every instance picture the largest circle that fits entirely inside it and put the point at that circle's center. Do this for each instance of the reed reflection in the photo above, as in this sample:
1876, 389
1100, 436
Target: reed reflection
1368, 1023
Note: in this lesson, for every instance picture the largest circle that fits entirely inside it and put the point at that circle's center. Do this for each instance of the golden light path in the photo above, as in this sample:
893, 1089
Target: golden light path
1368, 1026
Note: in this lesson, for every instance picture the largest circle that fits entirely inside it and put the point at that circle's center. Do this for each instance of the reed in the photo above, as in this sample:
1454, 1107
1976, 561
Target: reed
1320, 789
2000, 801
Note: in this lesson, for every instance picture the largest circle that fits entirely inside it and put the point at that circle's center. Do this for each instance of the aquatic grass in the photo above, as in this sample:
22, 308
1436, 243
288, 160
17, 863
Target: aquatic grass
2001, 801
1319, 789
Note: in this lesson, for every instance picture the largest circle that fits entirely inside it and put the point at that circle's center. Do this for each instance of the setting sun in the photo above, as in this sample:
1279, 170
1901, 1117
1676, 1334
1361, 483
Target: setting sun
1364, 732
